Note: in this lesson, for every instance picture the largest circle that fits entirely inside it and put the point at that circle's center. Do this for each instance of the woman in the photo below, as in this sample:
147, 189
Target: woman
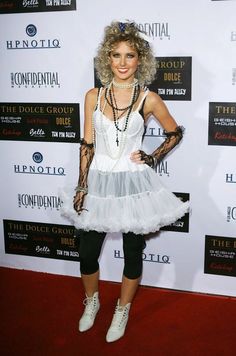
118, 189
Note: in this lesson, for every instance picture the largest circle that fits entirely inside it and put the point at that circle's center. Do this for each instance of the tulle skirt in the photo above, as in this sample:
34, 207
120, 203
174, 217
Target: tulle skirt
124, 202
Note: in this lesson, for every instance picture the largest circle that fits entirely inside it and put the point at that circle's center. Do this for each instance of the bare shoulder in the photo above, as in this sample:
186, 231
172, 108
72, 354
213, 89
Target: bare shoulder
153, 98
154, 103
91, 96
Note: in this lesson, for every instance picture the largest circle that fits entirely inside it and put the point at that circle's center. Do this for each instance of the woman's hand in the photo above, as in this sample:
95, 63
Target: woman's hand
78, 202
140, 157
136, 157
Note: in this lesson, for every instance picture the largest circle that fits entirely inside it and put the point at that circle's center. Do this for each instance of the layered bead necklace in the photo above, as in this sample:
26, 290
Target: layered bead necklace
109, 98
119, 112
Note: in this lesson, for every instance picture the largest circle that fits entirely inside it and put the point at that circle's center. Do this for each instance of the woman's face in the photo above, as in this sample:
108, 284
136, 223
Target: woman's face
124, 62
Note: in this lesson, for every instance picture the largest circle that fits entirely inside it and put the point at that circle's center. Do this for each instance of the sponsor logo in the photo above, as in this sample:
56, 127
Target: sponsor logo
10, 120
11, 132
17, 236
233, 76
41, 240
35, 43
39, 169
35, 79
233, 36
64, 121
39, 201
17, 248
37, 133
66, 253
222, 124
63, 134
147, 257
37, 157
174, 78
220, 255
18, 6
42, 249
55, 109
155, 29
30, 3
31, 30
230, 178
65, 241
40, 122
156, 132
162, 169
58, 2
231, 213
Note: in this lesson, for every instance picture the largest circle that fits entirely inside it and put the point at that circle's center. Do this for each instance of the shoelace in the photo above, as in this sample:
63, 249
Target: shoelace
90, 305
120, 316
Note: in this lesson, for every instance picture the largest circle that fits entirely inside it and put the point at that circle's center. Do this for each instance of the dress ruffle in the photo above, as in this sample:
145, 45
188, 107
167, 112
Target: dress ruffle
125, 201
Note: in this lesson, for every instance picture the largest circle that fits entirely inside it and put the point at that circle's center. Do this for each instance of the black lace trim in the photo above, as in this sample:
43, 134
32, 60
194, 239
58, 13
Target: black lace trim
172, 139
86, 157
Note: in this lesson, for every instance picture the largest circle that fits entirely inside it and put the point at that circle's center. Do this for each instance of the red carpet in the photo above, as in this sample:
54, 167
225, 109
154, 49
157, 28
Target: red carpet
40, 312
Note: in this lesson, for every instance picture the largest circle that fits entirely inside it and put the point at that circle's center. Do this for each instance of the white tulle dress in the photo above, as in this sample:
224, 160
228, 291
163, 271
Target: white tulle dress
122, 196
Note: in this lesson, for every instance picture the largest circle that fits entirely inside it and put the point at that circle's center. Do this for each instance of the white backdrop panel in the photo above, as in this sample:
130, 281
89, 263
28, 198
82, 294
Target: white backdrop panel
201, 30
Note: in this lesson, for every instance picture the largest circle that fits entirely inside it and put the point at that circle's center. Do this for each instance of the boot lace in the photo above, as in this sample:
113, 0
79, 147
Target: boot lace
120, 316
90, 306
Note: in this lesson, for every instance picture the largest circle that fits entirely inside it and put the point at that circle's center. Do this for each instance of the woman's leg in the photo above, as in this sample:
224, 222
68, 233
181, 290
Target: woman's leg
133, 247
90, 245
133, 264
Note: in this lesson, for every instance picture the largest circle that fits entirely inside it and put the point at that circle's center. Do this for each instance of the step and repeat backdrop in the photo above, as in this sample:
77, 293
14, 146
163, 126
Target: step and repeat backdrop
47, 50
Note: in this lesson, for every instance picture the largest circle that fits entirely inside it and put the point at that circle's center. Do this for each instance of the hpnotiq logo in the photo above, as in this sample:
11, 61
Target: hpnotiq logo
39, 169
35, 43
147, 257
233, 76
37, 157
233, 35
154, 132
231, 213
31, 30
230, 178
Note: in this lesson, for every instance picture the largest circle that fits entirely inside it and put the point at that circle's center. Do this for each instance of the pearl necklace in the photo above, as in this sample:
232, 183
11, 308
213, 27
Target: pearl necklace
125, 85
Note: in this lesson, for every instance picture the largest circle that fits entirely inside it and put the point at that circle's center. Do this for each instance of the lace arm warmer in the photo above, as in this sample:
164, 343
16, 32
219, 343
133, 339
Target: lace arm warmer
86, 156
172, 139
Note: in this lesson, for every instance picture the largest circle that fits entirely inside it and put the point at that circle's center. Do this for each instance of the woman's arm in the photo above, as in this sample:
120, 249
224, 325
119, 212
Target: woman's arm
86, 150
155, 106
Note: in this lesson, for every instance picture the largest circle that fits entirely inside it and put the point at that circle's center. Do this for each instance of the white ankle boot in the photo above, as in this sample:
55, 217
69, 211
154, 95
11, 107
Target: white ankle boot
118, 324
92, 306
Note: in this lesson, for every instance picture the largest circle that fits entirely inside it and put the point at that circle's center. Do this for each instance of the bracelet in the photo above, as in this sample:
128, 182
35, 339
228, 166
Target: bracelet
81, 189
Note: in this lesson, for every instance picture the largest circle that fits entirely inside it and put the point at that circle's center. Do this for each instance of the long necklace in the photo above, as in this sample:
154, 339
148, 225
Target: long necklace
103, 130
123, 135
111, 104
116, 117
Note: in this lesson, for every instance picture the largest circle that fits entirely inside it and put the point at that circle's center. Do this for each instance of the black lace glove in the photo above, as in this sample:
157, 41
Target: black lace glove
172, 139
86, 156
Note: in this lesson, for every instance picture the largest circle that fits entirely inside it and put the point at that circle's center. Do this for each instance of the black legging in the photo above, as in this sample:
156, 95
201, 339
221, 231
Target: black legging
90, 245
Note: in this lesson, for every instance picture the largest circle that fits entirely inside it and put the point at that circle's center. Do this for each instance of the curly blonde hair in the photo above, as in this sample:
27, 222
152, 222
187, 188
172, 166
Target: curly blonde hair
125, 31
